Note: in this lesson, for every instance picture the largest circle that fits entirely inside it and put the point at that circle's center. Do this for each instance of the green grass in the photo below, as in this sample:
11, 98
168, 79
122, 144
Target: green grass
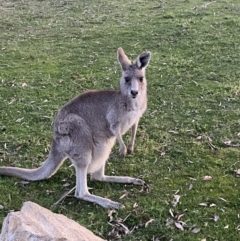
53, 50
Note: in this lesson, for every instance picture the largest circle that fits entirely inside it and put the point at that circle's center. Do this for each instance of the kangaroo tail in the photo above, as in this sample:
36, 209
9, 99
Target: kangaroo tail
46, 170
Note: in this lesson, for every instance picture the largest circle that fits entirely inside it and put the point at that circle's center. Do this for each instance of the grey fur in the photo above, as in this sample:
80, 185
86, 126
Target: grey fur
86, 128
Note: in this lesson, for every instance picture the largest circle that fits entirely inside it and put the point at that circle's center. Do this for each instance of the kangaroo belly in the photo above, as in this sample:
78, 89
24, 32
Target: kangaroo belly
100, 154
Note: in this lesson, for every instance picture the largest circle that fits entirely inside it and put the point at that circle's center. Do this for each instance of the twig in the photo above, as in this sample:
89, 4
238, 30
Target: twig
205, 5
80, 86
234, 164
5, 9
64, 196
213, 147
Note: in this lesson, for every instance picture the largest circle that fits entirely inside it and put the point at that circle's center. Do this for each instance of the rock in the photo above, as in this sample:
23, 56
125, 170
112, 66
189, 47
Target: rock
35, 223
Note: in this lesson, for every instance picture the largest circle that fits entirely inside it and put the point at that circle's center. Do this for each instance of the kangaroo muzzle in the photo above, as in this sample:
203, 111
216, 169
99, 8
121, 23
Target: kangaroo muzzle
134, 88
134, 93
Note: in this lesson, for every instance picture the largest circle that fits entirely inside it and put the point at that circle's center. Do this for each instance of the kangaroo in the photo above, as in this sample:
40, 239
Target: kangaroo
86, 128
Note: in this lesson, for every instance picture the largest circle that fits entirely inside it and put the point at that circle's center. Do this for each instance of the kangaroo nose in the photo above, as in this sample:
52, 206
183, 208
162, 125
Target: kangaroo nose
134, 93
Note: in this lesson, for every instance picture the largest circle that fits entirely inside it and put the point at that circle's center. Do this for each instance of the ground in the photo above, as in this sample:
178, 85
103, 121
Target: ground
187, 147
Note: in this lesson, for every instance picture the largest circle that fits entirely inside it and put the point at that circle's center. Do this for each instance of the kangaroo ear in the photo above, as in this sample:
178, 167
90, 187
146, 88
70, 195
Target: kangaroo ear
143, 60
123, 59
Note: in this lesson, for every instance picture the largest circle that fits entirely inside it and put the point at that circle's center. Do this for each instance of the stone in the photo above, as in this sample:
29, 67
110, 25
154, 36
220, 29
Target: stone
35, 223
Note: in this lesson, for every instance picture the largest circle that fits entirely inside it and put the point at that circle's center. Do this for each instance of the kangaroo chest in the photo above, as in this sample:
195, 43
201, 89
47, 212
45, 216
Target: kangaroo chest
129, 119
123, 116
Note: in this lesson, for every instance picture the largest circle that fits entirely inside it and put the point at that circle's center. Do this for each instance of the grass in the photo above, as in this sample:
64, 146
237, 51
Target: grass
53, 50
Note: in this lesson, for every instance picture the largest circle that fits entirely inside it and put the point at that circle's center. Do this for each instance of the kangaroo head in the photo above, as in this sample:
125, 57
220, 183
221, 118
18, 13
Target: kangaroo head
133, 82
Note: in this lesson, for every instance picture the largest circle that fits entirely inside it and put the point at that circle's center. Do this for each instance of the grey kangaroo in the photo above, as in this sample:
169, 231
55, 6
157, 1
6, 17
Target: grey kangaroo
86, 128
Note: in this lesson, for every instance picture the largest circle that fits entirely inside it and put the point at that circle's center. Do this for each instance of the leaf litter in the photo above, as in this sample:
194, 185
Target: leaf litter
207, 178
231, 144
208, 140
237, 172
176, 200
216, 217
234, 168
175, 218
120, 227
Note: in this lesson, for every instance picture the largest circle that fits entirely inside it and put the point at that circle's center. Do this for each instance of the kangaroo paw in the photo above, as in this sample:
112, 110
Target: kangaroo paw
104, 202
123, 151
130, 149
138, 182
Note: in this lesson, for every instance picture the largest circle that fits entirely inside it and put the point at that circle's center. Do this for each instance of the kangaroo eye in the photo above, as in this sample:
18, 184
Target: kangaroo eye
141, 79
127, 79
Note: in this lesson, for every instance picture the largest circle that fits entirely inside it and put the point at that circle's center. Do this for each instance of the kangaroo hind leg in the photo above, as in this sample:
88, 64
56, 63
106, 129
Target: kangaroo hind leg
100, 176
79, 148
80, 163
